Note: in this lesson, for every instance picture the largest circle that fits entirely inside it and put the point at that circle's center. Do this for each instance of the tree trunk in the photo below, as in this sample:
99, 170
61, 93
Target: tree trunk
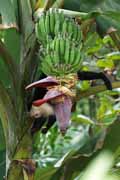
20, 165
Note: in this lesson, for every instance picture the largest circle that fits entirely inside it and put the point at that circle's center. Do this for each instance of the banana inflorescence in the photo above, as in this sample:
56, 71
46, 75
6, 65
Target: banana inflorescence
61, 38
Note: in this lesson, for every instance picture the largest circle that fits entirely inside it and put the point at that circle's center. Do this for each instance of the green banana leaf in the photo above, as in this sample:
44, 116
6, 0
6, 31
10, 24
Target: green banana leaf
109, 15
2, 152
8, 14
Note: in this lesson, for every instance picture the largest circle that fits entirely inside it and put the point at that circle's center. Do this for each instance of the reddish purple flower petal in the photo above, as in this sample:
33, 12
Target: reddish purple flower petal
49, 81
63, 113
51, 94
39, 102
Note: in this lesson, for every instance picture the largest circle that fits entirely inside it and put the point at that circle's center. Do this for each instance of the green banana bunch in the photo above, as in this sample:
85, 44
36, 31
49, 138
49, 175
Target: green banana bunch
61, 57
61, 38
49, 24
53, 22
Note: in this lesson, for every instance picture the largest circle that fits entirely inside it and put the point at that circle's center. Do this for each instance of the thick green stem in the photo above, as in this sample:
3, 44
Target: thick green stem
95, 90
21, 163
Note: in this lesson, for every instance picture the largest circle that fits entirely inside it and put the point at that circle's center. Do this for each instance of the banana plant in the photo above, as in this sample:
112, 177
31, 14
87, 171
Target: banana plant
61, 57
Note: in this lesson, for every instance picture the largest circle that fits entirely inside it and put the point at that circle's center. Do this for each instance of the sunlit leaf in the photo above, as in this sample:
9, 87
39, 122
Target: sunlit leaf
82, 119
7, 110
94, 49
113, 56
109, 119
105, 63
98, 168
83, 85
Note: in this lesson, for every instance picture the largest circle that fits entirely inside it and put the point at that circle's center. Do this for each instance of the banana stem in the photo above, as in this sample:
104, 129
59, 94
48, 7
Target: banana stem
74, 13
95, 90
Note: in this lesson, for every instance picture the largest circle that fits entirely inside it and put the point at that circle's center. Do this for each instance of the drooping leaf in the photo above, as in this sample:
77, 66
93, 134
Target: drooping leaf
29, 45
25, 16
72, 5
2, 163
8, 15
104, 5
12, 43
107, 12
11, 66
104, 23
112, 142
2, 138
45, 173
7, 111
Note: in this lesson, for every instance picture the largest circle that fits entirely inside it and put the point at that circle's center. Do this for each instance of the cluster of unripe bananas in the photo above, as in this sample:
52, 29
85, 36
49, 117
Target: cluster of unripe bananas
61, 38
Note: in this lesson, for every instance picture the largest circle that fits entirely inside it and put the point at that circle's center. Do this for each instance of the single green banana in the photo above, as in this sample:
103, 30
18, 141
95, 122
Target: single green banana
75, 67
49, 41
77, 61
67, 51
38, 32
47, 24
45, 68
48, 60
61, 18
57, 22
52, 58
72, 55
55, 62
75, 32
57, 14
57, 46
56, 58
70, 28
42, 25
65, 27
52, 21
48, 48
79, 37
62, 47
54, 43
57, 28
78, 58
